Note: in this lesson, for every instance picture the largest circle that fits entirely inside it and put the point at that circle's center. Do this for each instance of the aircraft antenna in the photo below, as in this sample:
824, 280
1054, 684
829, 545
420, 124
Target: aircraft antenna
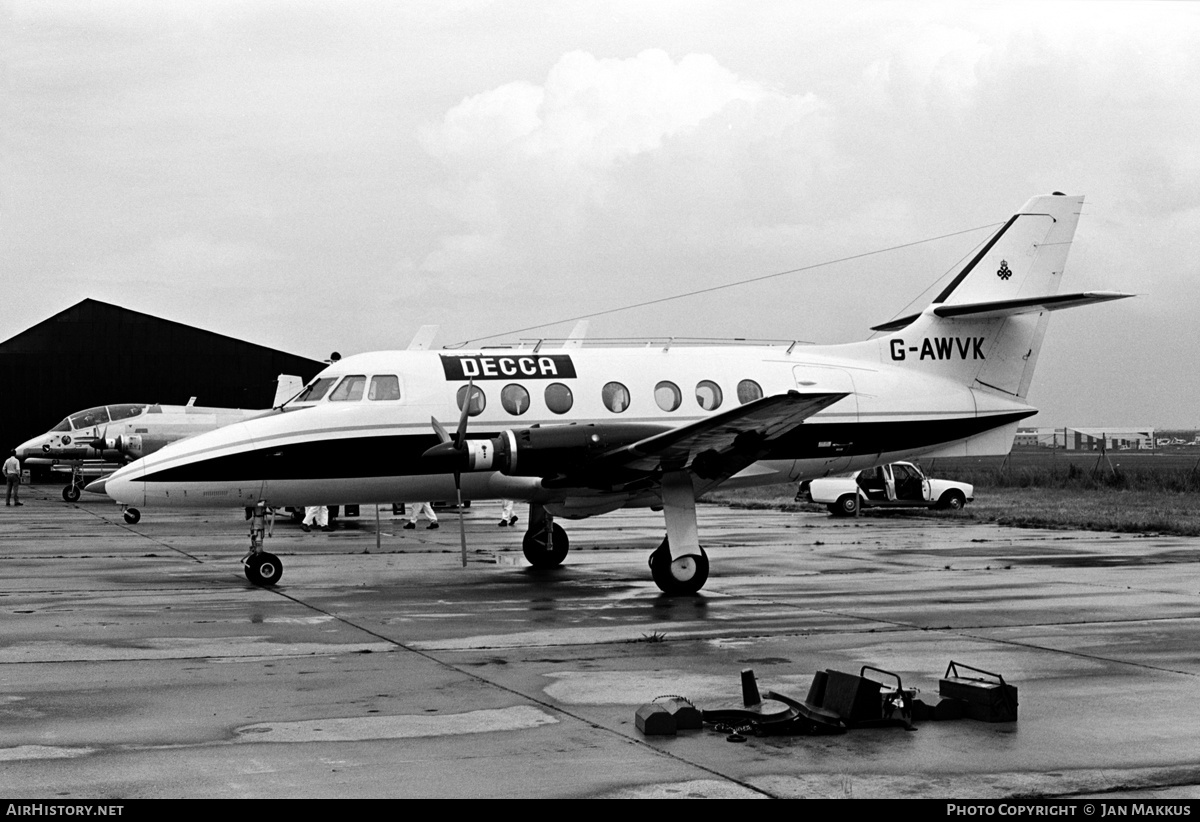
723, 286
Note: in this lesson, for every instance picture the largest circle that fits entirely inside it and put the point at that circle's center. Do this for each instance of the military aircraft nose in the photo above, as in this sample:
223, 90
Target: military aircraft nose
30, 448
96, 486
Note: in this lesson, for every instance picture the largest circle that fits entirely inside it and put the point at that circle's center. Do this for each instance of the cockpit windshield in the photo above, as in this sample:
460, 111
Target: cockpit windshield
124, 412
65, 425
316, 390
350, 389
90, 417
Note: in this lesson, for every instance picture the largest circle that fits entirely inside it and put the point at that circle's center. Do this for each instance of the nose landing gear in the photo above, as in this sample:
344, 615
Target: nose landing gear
262, 568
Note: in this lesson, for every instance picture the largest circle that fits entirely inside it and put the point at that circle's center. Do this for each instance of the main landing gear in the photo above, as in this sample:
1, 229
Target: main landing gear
678, 577
262, 568
679, 566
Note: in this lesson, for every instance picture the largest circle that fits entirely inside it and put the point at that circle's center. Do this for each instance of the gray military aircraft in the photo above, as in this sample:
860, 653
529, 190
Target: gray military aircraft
97, 441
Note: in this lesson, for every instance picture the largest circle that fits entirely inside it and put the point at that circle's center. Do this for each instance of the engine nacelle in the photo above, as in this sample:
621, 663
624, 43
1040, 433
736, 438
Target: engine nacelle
537, 451
135, 446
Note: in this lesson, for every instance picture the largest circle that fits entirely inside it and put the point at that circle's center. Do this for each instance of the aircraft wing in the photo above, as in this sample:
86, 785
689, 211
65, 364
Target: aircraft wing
712, 449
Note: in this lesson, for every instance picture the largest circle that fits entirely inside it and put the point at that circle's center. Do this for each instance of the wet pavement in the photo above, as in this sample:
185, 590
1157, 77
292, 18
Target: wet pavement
137, 661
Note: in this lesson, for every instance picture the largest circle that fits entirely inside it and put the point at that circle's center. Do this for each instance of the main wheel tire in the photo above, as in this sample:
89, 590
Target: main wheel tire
952, 501
132, 516
846, 506
264, 569
71, 493
681, 577
546, 548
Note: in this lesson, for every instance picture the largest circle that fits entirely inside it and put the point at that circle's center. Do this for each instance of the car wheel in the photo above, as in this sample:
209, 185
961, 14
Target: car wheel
952, 501
846, 506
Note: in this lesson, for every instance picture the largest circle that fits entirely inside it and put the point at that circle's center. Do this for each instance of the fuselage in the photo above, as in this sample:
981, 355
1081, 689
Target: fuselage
357, 434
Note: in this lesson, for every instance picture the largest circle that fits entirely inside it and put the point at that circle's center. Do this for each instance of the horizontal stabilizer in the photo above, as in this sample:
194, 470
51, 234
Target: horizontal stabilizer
1009, 308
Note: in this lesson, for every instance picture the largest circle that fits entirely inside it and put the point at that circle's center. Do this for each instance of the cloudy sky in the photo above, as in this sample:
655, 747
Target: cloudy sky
333, 174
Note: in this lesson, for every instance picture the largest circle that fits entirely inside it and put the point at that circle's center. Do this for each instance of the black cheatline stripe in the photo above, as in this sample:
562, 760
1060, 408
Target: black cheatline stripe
395, 456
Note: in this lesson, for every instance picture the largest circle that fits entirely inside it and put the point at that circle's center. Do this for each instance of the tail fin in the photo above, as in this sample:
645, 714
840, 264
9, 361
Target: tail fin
985, 328
287, 386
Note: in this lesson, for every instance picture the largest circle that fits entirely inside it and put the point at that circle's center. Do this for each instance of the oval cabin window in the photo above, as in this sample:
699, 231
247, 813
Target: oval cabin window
478, 400
559, 398
749, 391
708, 395
667, 395
515, 399
615, 397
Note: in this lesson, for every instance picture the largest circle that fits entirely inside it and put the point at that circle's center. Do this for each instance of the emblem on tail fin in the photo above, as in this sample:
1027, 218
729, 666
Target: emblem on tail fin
1005, 272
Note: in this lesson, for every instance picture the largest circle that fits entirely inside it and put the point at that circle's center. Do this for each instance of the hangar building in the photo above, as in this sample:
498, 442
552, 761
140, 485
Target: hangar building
1088, 439
94, 353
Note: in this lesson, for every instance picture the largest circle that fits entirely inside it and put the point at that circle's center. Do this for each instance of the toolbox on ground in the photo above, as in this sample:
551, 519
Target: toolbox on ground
987, 698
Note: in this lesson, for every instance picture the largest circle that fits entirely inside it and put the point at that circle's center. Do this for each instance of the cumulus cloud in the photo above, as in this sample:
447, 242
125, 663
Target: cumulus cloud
591, 112
682, 148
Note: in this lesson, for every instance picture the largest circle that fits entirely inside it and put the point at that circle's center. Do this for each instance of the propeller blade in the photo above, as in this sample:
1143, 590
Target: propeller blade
461, 436
440, 430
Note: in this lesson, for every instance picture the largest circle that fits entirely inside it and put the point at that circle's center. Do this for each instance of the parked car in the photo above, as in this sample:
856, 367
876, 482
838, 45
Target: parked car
895, 485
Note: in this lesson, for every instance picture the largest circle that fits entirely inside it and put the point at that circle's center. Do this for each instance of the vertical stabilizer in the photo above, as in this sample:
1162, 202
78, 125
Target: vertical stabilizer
1025, 258
985, 328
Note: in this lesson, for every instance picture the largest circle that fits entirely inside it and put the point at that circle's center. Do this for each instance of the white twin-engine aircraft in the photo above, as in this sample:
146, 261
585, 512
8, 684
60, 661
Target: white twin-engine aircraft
578, 431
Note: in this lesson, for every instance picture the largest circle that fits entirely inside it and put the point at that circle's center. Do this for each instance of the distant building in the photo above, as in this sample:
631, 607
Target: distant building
94, 353
1026, 437
1091, 439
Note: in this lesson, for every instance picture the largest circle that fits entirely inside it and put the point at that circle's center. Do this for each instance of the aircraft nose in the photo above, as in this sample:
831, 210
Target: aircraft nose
30, 448
96, 486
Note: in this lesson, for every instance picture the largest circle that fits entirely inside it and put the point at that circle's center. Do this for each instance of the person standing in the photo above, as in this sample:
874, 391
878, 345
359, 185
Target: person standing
12, 474
318, 515
417, 508
507, 517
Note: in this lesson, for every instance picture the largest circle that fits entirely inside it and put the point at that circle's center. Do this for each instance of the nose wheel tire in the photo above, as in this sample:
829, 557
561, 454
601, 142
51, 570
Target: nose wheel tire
546, 548
264, 569
71, 493
679, 577
132, 516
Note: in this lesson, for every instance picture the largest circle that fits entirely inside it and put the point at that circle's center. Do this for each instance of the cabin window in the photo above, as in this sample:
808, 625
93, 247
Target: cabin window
667, 395
384, 387
708, 395
515, 399
749, 391
615, 397
315, 390
90, 417
350, 389
559, 398
478, 400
